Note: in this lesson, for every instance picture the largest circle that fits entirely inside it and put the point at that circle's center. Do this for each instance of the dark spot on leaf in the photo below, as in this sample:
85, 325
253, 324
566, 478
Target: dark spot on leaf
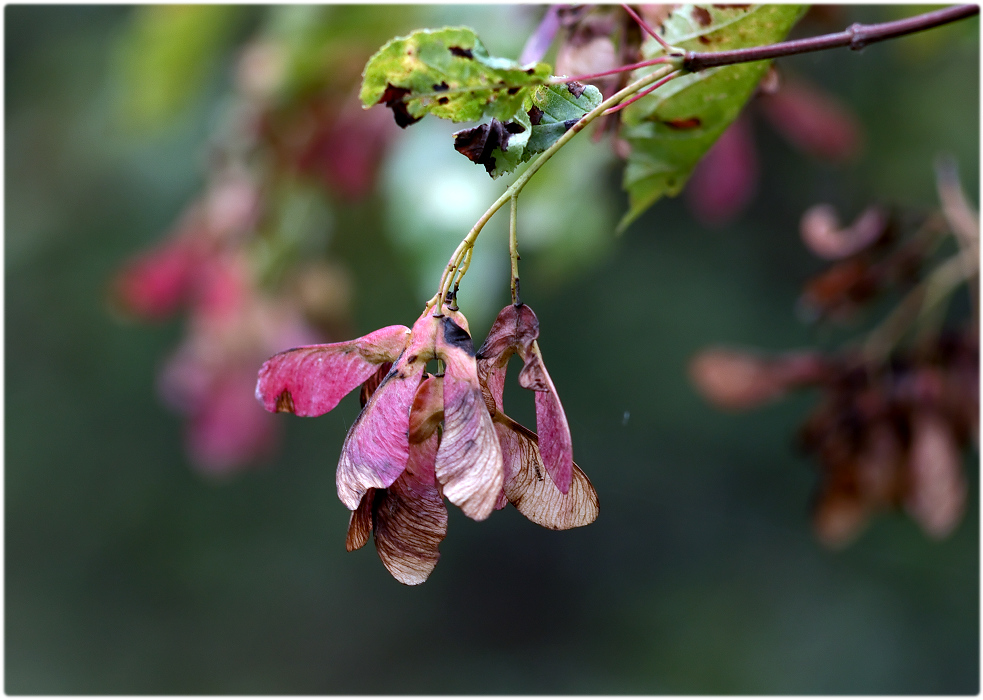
480, 142
703, 39
461, 53
513, 90
530, 71
683, 124
441, 87
285, 402
457, 337
535, 115
702, 16
443, 100
393, 99
576, 89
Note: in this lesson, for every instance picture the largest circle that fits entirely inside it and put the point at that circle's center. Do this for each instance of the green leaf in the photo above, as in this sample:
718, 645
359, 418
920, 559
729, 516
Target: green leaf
671, 129
448, 73
549, 111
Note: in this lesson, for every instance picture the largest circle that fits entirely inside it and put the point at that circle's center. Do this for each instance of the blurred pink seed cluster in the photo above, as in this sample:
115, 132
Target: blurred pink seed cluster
231, 264
203, 269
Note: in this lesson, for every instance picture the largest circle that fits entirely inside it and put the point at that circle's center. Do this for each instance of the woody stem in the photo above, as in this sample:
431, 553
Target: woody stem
455, 264
856, 36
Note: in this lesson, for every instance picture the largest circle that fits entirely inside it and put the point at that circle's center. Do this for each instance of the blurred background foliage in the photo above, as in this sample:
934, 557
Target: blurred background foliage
128, 571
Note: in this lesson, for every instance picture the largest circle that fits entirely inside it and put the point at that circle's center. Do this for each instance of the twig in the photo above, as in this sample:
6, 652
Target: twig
856, 36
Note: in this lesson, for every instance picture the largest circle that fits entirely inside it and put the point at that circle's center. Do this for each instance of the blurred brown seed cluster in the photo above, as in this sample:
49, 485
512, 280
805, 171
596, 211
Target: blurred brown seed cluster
893, 437
899, 408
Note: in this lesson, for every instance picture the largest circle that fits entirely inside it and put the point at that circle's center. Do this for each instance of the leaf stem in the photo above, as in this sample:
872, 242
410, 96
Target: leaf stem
644, 25
651, 88
620, 69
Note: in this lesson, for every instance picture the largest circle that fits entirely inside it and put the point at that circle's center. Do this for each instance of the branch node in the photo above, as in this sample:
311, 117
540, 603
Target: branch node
858, 37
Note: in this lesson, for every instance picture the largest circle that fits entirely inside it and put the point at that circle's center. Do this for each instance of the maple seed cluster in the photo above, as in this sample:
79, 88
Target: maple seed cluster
424, 437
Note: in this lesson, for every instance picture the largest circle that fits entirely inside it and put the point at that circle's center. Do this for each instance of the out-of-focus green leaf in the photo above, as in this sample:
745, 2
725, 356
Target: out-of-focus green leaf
166, 57
549, 111
328, 44
297, 226
671, 129
448, 73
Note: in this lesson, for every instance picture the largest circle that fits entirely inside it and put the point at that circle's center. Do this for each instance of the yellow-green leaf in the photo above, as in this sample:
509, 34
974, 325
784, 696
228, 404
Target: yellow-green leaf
448, 73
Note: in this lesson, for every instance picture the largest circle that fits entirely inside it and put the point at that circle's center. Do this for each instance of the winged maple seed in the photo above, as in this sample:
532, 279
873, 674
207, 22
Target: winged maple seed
422, 438
515, 331
541, 479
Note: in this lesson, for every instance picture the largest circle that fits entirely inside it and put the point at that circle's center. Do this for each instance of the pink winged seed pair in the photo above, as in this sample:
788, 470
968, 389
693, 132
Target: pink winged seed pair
396, 467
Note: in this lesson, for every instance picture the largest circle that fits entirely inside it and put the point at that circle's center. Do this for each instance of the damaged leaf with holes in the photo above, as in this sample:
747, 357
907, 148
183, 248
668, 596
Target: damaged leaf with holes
548, 113
447, 73
671, 129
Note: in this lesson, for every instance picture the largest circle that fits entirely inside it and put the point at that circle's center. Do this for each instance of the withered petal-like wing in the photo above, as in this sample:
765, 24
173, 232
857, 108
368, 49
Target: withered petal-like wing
515, 327
491, 377
531, 489
372, 383
469, 461
555, 442
937, 489
377, 445
840, 511
427, 410
360, 523
838, 517
410, 518
311, 380
492, 359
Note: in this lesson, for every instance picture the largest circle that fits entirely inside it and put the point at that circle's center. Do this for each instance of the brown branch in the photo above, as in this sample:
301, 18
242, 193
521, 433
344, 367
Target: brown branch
856, 36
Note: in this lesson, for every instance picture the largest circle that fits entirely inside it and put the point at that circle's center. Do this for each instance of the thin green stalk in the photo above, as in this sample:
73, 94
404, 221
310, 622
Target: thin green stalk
514, 250
454, 264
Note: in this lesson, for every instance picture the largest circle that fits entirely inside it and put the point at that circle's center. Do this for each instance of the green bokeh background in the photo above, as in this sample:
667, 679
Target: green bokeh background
126, 572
